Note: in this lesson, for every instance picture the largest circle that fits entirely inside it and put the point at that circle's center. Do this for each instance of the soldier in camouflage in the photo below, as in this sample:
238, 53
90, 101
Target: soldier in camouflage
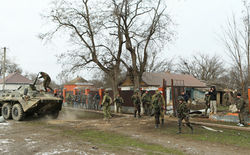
46, 81
158, 104
137, 103
183, 113
119, 101
146, 101
242, 110
106, 103
207, 102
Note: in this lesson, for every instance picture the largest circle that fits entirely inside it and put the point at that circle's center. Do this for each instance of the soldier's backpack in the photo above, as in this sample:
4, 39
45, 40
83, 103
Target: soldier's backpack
107, 101
156, 103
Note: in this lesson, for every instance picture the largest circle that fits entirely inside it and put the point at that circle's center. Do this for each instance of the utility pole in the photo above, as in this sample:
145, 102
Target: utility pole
4, 70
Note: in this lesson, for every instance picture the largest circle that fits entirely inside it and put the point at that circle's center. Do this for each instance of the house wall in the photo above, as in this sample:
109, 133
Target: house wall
198, 95
70, 87
12, 86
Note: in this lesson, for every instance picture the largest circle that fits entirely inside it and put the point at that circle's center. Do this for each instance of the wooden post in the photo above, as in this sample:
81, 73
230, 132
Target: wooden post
164, 92
249, 99
4, 69
173, 96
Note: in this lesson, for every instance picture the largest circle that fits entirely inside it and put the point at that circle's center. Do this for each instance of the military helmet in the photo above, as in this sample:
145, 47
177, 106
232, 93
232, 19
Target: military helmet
180, 98
136, 91
106, 91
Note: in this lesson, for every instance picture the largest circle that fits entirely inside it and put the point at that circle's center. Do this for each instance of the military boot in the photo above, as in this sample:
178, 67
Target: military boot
139, 115
162, 122
156, 126
179, 132
192, 130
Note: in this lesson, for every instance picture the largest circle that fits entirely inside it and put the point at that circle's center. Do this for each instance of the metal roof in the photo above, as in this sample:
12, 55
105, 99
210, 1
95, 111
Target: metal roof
16, 78
156, 79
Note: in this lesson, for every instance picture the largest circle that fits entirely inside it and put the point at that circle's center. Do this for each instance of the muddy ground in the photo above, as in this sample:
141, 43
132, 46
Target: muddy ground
66, 135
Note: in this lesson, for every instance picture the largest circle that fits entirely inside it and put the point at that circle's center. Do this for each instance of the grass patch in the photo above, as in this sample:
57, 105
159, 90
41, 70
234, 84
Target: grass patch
227, 137
119, 142
221, 108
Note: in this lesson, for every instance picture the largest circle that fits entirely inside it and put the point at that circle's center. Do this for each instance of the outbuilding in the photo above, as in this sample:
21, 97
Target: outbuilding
13, 81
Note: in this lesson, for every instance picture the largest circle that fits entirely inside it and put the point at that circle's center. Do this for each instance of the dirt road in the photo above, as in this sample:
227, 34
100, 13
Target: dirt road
66, 136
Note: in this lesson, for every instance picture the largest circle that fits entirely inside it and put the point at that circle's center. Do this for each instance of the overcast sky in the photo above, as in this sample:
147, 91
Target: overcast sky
198, 24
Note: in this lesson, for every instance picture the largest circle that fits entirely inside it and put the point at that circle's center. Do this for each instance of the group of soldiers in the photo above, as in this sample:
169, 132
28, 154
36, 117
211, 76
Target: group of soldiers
84, 101
107, 102
154, 106
228, 99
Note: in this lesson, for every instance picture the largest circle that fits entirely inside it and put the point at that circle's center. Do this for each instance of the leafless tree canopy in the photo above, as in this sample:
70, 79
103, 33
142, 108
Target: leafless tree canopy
10, 66
157, 64
100, 31
236, 39
146, 24
202, 66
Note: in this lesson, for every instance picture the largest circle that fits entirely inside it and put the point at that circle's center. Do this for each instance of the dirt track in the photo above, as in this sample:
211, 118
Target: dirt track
33, 137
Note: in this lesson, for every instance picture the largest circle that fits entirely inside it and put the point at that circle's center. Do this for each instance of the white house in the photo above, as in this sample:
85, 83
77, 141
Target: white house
14, 81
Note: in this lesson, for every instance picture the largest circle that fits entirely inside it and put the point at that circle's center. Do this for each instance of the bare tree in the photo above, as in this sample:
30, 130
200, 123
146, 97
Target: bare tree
145, 24
10, 66
236, 39
245, 34
202, 66
95, 32
157, 64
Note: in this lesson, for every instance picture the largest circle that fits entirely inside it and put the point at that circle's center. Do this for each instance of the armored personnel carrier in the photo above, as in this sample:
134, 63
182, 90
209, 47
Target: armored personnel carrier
27, 100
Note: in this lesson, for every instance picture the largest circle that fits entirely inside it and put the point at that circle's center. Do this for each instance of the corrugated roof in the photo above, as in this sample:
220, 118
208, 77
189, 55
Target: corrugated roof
16, 78
156, 79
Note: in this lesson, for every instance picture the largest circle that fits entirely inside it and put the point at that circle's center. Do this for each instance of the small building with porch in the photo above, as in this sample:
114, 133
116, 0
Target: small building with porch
172, 83
77, 86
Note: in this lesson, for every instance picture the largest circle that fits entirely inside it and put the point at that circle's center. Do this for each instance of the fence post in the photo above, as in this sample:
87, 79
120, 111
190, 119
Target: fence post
173, 96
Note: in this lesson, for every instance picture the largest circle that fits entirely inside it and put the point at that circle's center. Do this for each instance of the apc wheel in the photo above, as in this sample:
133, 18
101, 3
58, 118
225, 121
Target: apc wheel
17, 112
6, 111
54, 115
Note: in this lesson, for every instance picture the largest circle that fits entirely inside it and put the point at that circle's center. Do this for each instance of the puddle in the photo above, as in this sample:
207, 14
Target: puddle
6, 141
60, 151
4, 125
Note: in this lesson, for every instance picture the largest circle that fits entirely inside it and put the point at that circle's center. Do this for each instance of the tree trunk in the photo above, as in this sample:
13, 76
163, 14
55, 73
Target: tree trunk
115, 87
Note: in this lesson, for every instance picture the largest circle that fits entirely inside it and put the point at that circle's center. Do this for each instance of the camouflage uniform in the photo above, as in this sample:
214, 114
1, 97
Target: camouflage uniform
119, 101
183, 113
158, 104
207, 102
137, 104
242, 107
106, 102
46, 81
146, 100
161, 101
